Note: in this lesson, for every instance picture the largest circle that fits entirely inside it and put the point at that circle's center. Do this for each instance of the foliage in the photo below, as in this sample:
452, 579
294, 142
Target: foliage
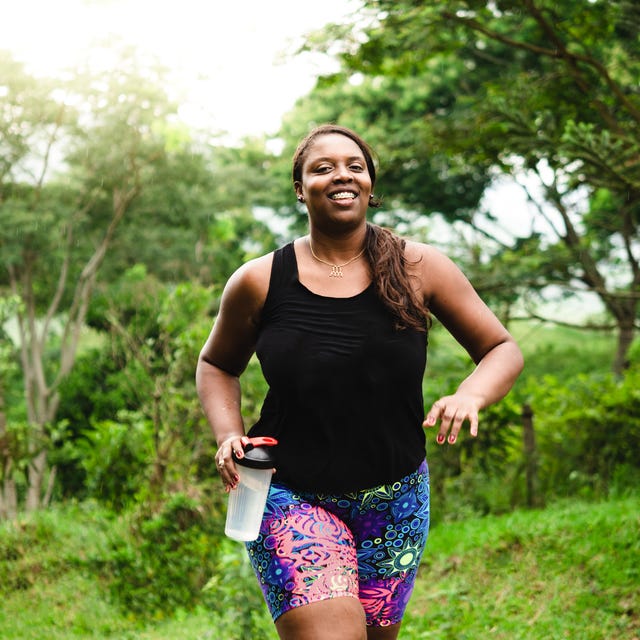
133, 425
114, 456
589, 433
166, 560
585, 421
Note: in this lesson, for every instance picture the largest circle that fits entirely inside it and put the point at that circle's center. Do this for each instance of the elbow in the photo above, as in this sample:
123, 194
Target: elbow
513, 360
508, 353
206, 364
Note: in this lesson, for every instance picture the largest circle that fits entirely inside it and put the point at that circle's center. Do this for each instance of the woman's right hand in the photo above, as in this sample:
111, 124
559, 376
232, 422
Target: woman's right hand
225, 462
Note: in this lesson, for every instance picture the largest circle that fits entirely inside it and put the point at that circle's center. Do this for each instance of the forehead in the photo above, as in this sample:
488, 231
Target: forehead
333, 145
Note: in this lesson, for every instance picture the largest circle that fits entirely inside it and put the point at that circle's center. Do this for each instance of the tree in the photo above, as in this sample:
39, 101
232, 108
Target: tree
75, 156
526, 90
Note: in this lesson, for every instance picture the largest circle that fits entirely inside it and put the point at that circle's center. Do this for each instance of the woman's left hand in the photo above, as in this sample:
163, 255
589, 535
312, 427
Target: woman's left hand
452, 411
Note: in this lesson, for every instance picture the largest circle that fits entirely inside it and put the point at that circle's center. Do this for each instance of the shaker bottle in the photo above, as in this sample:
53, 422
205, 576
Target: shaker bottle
247, 501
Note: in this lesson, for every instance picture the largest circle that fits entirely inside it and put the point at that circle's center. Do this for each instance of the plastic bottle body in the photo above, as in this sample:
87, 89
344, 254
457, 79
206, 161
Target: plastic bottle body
245, 507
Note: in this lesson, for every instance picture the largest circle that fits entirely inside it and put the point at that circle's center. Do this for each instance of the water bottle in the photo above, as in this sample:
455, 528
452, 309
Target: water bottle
247, 501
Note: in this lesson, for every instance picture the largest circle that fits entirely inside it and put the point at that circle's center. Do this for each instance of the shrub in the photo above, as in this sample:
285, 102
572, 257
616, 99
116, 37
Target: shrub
588, 432
166, 560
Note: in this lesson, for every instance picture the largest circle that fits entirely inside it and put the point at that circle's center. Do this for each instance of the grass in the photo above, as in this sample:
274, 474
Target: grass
570, 571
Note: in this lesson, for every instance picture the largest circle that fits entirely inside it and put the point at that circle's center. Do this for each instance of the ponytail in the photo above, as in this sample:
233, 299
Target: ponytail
388, 263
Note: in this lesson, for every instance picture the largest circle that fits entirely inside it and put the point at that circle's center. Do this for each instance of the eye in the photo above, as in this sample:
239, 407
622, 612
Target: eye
356, 166
323, 168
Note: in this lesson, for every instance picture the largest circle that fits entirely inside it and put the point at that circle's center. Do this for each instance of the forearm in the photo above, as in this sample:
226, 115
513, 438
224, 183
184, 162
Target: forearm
494, 375
220, 397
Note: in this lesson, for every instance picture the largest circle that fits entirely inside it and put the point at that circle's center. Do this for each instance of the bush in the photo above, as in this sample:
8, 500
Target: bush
115, 459
166, 560
588, 431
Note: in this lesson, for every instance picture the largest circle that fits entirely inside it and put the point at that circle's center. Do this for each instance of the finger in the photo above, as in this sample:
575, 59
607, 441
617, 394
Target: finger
459, 421
473, 421
446, 419
433, 415
237, 449
227, 469
237, 446
456, 425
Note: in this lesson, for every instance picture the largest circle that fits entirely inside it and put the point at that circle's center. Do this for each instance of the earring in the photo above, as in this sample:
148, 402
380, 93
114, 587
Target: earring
300, 199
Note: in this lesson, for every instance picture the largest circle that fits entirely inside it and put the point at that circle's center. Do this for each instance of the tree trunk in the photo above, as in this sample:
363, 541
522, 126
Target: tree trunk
37, 469
530, 456
8, 494
626, 333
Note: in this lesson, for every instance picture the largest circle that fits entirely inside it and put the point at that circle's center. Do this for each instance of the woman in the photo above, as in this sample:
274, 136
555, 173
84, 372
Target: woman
339, 321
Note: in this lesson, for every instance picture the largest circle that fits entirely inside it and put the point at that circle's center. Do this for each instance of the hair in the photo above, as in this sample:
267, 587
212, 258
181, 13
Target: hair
383, 248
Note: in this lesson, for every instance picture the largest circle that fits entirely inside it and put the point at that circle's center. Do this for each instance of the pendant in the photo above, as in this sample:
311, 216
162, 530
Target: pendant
336, 271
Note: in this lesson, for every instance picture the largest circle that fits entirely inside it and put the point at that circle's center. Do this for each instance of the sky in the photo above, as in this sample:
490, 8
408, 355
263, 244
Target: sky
228, 58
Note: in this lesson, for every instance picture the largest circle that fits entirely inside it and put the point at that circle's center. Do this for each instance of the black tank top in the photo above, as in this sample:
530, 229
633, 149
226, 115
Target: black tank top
345, 387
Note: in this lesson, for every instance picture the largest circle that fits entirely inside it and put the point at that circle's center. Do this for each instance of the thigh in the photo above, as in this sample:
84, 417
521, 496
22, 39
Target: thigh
304, 554
390, 527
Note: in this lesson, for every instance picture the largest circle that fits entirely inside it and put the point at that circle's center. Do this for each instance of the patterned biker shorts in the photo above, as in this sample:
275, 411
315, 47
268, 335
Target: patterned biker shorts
365, 544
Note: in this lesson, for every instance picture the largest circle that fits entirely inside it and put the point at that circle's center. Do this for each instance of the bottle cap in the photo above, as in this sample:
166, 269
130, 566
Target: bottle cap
257, 454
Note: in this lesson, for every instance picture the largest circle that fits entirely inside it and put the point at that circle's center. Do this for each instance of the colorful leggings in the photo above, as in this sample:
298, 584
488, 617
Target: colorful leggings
365, 544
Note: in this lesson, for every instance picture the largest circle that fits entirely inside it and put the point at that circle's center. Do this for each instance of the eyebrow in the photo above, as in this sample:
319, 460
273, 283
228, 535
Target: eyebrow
331, 158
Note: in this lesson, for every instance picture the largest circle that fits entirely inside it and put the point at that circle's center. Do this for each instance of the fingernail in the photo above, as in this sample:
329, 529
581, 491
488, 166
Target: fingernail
452, 439
440, 438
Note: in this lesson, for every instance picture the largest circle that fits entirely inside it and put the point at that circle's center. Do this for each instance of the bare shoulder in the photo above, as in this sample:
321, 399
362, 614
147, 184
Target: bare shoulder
432, 267
249, 284
233, 335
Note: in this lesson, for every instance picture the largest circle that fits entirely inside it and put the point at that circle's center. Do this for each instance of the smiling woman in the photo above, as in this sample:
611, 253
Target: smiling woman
333, 180
344, 353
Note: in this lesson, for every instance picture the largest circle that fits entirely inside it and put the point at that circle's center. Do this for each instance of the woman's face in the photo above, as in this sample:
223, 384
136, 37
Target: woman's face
335, 184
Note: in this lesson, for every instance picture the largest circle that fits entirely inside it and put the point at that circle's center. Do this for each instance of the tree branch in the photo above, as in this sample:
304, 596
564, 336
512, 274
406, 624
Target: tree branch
559, 53
591, 326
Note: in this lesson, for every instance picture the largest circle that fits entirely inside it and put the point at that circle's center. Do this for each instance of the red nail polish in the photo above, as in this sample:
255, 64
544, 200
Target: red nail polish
440, 438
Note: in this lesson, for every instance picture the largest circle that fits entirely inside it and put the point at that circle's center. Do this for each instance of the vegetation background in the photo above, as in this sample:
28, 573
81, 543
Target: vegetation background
119, 226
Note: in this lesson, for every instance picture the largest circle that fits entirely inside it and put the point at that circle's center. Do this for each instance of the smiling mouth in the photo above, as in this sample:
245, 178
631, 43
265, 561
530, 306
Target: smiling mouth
343, 195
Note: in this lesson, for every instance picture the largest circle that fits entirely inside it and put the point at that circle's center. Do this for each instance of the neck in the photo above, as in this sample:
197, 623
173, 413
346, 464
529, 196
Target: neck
335, 264
337, 248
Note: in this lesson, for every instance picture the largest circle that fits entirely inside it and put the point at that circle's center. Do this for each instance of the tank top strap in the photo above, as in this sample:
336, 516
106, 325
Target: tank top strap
284, 271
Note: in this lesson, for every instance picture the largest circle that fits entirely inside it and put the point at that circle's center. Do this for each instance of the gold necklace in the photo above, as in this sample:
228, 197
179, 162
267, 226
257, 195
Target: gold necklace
336, 269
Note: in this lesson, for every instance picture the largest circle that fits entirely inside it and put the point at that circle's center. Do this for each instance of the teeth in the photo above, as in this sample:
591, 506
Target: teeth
342, 195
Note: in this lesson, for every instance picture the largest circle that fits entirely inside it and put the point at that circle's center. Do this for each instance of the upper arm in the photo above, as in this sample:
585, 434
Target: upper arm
455, 303
232, 340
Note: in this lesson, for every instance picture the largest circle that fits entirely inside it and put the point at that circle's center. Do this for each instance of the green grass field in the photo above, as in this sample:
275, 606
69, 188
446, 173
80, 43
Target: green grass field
570, 571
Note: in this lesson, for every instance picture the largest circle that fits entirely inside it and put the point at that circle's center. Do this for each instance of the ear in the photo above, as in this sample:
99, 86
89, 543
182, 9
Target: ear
298, 189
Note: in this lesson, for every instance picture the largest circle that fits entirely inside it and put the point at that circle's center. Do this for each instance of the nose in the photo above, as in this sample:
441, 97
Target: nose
343, 174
